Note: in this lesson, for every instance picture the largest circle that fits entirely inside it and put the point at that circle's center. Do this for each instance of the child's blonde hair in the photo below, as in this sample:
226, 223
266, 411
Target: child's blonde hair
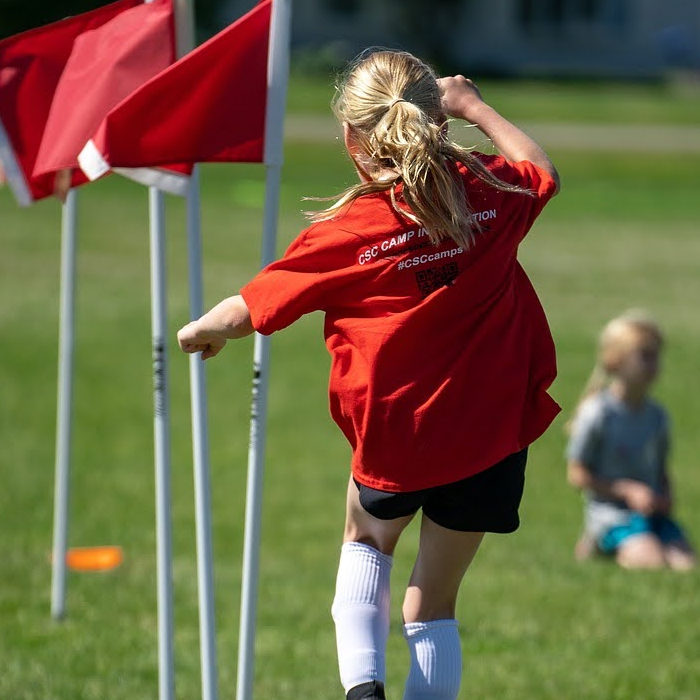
391, 102
613, 342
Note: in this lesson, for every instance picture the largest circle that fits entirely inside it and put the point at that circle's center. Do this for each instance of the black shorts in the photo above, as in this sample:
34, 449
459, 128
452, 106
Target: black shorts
485, 502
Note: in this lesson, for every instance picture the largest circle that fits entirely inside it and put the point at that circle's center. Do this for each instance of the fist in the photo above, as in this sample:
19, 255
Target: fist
459, 96
193, 338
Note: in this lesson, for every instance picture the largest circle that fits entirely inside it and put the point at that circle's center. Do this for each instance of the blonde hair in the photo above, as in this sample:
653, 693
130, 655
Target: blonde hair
391, 102
613, 342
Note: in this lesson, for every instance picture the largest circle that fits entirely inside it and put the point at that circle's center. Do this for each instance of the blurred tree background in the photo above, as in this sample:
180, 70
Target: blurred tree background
17, 16
411, 28
619, 39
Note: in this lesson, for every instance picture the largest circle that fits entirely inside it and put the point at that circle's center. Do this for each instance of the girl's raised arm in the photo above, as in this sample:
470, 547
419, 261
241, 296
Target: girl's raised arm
462, 99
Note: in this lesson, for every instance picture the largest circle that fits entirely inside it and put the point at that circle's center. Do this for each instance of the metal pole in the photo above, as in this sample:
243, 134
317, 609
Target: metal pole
64, 416
277, 76
161, 425
184, 16
200, 449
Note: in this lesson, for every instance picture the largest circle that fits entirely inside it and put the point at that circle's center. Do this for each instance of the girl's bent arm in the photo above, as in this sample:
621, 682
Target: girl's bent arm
577, 475
461, 99
228, 320
637, 495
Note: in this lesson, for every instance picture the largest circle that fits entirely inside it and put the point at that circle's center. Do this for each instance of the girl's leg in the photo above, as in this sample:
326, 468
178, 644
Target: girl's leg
679, 555
586, 547
677, 550
443, 558
642, 551
429, 611
361, 604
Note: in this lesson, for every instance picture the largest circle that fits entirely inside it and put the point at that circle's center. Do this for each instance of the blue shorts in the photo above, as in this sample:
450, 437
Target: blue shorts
660, 526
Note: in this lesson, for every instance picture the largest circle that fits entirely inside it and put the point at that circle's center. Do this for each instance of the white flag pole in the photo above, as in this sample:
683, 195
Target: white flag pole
184, 16
64, 414
161, 426
277, 77
200, 448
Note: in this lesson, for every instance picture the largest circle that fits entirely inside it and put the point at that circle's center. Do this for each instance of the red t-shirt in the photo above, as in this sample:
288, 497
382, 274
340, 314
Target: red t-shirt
441, 357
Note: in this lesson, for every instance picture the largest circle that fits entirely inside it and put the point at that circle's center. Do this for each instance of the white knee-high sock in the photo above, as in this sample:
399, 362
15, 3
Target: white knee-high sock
436, 660
361, 613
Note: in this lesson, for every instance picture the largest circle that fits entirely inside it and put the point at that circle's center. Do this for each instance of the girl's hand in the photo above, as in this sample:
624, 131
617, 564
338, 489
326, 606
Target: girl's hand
229, 319
460, 97
194, 338
637, 495
664, 504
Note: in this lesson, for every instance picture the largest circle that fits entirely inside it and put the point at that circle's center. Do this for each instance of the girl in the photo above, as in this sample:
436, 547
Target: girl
441, 353
618, 452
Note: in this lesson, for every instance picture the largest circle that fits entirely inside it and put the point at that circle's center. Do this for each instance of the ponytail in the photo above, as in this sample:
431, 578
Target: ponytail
391, 102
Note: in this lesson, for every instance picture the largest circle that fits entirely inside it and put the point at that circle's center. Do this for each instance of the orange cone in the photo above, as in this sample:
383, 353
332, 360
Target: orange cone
102, 558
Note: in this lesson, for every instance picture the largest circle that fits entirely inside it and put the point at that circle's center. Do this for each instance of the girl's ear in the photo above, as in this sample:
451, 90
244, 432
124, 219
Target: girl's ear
355, 152
350, 139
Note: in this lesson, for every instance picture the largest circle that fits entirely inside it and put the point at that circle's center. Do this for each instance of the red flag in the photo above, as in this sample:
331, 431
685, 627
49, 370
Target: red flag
207, 107
31, 64
106, 65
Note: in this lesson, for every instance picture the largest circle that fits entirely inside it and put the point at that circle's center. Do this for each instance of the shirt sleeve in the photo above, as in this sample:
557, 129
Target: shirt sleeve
531, 176
586, 435
523, 173
316, 265
521, 209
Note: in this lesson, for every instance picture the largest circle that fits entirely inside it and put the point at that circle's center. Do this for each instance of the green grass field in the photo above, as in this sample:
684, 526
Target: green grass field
534, 623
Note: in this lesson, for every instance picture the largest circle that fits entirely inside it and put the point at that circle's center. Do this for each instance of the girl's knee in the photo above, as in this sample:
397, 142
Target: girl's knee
364, 528
373, 534
374, 540
643, 552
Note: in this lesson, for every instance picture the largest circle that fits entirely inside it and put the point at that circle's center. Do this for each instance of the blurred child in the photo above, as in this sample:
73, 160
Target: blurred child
441, 353
618, 452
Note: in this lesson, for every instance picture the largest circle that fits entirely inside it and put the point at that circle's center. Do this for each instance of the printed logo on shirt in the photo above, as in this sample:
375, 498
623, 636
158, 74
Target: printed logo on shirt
432, 278
389, 246
418, 260
485, 215
399, 245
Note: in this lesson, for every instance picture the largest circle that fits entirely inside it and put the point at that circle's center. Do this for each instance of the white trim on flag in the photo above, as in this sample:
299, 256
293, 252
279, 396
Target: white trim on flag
91, 161
165, 180
13, 171
93, 164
